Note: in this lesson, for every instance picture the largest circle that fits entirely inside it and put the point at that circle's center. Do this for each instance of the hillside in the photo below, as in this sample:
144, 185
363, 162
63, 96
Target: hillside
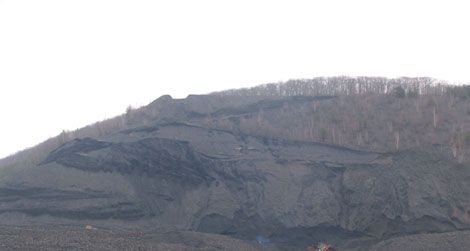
354, 162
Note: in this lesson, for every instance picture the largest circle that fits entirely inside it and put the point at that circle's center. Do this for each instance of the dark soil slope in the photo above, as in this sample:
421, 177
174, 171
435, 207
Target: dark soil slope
243, 169
183, 177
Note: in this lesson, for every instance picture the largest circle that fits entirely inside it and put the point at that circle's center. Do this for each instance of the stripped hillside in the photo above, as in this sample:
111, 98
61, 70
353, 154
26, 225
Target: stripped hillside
361, 112
358, 163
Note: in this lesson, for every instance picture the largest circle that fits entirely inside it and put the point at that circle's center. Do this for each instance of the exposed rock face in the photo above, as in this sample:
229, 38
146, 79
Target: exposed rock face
165, 175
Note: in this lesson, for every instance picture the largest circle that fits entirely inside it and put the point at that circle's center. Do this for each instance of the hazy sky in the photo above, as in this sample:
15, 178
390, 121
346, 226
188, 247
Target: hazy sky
65, 64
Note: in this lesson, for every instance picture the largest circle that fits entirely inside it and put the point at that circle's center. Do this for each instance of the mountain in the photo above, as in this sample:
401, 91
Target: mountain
359, 163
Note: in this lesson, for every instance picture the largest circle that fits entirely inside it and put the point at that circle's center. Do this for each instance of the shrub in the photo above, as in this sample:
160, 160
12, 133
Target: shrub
399, 92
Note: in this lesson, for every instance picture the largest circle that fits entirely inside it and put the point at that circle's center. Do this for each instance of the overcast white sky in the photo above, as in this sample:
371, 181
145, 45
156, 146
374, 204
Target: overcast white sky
65, 64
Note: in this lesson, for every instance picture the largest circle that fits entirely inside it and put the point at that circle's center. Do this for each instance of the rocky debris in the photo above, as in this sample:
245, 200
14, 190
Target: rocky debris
75, 238
90, 227
457, 241
321, 247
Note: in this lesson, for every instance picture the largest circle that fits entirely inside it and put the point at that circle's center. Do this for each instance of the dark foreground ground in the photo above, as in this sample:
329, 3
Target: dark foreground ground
81, 238
440, 241
76, 238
